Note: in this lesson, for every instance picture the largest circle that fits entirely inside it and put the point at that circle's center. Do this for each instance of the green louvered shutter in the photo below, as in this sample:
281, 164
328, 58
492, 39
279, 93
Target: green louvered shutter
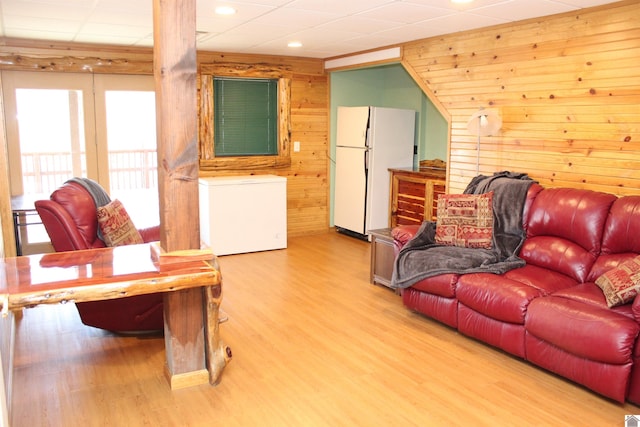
246, 117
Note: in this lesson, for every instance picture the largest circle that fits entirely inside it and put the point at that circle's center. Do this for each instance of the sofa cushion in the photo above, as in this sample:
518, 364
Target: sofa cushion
558, 255
545, 280
619, 239
116, 225
622, 226
496, 296
564, 230
590, 293
443, 285
571, 214
620, 284
465, 220
587, 331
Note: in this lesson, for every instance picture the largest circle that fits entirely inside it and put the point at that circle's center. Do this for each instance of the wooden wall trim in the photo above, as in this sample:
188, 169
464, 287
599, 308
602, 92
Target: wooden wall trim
208, 160
7, 236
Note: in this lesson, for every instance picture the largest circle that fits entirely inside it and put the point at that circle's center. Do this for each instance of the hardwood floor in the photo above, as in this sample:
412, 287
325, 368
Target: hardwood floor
314, 344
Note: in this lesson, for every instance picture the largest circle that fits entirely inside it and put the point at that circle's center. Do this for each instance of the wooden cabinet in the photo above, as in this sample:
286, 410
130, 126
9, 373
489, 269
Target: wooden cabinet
414, 195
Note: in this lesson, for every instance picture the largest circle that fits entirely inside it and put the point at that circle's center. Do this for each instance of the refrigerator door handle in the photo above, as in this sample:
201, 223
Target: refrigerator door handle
366, 162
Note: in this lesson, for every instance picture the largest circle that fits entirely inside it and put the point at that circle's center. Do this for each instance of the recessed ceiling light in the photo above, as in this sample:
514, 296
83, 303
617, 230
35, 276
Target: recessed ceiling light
225, 10
294, 44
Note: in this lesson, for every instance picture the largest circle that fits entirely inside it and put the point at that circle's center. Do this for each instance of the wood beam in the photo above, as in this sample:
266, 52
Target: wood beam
174, 23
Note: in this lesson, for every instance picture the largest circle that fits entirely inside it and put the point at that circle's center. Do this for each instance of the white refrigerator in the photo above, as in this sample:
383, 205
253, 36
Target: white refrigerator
369, 141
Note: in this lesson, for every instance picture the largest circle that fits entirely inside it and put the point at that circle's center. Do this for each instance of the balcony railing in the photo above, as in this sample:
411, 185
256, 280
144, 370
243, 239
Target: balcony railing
128, 170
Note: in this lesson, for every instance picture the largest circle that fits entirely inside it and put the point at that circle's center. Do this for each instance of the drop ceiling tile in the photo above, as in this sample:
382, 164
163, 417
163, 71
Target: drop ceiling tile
244, 11
360, 24
130, 6
42, 10
114, 17
407, 13
93, 29
448, 5
297, 19
583, 3
25, 23
413, 32
345, 7
316, 37
269, 32
279, 47
517, 10
274, 3
464, 21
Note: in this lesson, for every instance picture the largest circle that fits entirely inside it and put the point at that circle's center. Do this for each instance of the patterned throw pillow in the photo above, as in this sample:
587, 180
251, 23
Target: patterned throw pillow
116, 225
620, 285
465, 220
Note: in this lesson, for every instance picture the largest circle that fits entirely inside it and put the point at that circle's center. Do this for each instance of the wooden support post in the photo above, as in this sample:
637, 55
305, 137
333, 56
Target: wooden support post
174, 28
218, 354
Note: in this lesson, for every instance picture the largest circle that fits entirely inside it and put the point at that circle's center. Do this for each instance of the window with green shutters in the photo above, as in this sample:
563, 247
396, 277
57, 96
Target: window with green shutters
246, 117
245, 126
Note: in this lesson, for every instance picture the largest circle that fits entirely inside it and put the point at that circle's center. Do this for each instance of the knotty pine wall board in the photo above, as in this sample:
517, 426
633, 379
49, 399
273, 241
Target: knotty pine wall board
567, 88
307, 186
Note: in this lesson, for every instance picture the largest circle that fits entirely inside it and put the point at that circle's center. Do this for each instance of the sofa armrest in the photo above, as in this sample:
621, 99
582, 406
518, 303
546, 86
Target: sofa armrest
150, 234
402, 234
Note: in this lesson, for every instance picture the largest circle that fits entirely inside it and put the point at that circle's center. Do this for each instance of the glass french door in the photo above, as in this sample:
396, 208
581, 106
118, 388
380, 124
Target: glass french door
49, 123
126, 136
64, 125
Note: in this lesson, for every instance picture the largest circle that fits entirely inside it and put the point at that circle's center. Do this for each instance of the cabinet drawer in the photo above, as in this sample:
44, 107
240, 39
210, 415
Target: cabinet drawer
414, 198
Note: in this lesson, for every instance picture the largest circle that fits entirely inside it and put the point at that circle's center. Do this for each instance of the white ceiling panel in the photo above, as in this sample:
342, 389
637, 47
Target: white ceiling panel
359, 24
296, 18
345, 7
523, 9
407, 13
326, 28
464, 21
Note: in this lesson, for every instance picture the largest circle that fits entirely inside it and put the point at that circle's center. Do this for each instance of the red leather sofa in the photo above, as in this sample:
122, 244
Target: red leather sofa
550, 312
69, 217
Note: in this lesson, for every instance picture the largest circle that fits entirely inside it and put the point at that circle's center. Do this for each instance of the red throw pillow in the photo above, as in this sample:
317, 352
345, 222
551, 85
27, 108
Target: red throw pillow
465, 220
116, 225
620, 285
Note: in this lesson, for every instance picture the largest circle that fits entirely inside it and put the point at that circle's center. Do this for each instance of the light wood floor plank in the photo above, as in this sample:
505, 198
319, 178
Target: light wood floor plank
314, 344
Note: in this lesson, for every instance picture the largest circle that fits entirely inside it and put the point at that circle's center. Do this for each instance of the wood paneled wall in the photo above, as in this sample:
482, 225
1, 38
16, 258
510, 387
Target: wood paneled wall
307, 176
567, 88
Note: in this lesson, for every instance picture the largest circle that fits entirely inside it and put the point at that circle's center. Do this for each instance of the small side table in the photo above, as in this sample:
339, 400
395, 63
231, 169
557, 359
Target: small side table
382, 256
24, 210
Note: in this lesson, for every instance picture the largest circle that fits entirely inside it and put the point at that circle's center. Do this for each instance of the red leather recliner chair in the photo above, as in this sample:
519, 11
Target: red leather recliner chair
72, 224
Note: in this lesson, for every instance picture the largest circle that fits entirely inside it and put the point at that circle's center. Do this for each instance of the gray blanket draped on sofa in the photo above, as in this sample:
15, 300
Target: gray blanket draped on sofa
422, 257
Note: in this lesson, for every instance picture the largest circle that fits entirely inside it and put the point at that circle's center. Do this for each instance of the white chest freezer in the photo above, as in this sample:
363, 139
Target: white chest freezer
240, 214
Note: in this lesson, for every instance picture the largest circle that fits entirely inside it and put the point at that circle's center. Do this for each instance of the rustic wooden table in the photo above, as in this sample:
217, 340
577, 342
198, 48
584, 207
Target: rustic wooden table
109, 273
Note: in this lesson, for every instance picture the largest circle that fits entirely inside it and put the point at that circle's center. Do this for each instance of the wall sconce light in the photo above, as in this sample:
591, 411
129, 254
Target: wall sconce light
483, 123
